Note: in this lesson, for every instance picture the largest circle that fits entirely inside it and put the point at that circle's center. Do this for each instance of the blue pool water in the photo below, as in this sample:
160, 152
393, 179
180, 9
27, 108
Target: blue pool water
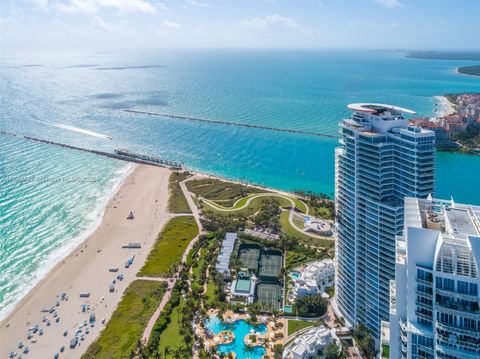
295, 275
240, 329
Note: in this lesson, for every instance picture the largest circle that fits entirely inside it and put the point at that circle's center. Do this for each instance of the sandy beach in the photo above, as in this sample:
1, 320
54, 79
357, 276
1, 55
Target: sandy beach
86, 269
446, 106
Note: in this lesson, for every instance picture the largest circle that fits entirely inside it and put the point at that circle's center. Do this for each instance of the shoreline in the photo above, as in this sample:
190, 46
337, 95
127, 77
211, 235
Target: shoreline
58, 256
85, 269
447, 107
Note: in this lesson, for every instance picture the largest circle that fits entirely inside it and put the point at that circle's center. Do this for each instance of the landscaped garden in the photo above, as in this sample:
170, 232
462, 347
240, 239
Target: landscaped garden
125, 328
296, 325
169, 247
177, 202
220, 192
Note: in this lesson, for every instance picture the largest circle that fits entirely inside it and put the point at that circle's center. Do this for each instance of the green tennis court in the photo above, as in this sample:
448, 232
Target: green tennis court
269, 295
270, 265
249, 258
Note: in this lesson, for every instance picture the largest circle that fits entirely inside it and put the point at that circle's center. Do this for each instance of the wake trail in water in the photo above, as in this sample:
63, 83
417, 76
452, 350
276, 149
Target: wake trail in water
73, 128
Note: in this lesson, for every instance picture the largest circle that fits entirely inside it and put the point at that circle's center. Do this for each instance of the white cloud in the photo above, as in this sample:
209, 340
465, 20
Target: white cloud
389, 3
94, 6
270, 22
171, 25
77, 7
197, 3
41, 4
98, 23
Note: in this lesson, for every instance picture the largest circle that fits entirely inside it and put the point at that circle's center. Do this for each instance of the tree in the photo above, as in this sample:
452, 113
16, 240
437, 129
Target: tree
331, 351
311, 305
364, 340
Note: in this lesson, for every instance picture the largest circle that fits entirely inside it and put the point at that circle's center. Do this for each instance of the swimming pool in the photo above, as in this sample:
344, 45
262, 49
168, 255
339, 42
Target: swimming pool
295, 274
240, 329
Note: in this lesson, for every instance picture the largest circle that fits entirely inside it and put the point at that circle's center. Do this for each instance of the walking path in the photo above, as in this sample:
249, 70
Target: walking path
173, 280
250, 198
156, 314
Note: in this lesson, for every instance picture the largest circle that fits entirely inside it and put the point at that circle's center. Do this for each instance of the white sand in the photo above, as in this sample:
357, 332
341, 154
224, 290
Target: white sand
446, 106
145, 192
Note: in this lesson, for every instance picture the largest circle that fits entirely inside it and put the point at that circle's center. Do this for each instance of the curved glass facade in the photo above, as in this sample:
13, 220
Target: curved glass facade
380, 161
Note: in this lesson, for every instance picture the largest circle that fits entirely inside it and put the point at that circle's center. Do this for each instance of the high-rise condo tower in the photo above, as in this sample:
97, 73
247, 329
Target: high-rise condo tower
380, 161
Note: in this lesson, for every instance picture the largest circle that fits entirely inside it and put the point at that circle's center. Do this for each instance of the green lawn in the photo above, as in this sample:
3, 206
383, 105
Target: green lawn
253, 207
221, 192
177, 202
210, 295
296, 325
299, 222
171, 336
128, 322
300, 205
169, 247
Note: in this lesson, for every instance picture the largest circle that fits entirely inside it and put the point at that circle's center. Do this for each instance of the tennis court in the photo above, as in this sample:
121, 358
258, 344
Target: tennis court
270, 265
269, 295
249, 258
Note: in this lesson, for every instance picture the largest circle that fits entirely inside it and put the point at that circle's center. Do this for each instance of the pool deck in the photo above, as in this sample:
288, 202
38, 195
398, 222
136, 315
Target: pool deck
273, 336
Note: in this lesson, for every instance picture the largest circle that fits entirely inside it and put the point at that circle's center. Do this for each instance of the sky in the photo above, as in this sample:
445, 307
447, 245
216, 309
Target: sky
146, 24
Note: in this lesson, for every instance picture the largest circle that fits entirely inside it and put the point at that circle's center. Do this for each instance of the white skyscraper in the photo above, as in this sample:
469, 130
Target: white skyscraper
380, 161
434, 309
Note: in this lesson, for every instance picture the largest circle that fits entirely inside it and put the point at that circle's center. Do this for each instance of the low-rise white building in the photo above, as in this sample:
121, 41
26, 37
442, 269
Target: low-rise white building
243, 289
309, 343
318, 226
313, 278
223, 260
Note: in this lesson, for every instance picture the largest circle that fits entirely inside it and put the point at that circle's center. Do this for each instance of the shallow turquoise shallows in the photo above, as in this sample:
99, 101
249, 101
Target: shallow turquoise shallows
59, 96
240, 329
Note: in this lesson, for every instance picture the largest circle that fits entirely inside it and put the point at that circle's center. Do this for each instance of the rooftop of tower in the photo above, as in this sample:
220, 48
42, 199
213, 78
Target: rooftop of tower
376, 118
379, 109
456, 220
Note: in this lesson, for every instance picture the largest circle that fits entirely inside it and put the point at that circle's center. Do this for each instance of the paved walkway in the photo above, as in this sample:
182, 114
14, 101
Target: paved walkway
173, 280
156, 314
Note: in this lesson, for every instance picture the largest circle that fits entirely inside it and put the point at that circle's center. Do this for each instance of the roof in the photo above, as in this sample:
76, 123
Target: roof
377, 107
461, 221
223, 259
243, 285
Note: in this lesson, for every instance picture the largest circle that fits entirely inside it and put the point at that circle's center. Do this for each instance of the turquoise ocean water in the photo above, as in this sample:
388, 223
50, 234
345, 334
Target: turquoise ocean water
59, 96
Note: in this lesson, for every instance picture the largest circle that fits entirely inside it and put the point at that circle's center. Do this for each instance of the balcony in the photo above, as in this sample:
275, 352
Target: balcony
426, 317
423, 305
457, 353
455, 341
423, 281
459, 330
457, 309
451, 293
424, 294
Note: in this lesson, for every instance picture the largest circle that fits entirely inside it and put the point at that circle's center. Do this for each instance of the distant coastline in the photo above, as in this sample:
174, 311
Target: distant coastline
444, 55
473, 70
